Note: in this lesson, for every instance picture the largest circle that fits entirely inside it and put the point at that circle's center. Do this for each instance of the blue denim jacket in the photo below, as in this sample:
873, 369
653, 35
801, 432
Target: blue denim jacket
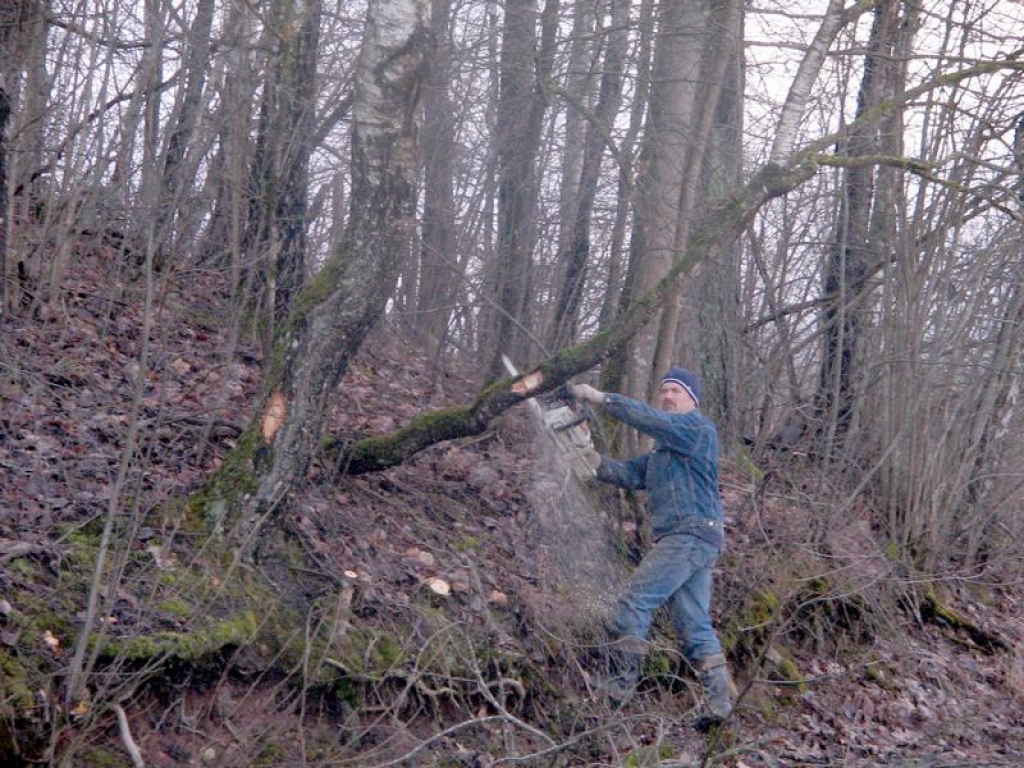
680, 474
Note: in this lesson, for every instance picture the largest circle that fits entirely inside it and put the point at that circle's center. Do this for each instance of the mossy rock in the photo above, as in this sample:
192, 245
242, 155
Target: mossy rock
96, 757
17, 683
660, 663
824, 609
787, 668
465, 543
196, 643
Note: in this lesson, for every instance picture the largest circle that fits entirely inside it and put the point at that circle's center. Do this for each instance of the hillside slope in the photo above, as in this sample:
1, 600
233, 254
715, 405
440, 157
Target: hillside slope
447, 612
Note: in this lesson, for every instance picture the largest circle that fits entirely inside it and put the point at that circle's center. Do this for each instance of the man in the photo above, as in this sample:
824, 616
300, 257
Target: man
680, 475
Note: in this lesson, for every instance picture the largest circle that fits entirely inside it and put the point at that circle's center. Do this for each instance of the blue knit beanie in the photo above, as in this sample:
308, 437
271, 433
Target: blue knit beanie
686, 380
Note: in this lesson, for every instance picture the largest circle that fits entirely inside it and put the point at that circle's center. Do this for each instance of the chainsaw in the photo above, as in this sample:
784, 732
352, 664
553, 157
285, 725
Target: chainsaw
566, 427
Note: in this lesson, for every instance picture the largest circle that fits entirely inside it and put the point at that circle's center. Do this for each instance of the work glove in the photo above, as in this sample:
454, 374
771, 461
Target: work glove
586, 392
591, 458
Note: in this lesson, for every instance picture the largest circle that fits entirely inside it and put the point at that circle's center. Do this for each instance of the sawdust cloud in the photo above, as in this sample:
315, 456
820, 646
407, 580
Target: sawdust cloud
578, 564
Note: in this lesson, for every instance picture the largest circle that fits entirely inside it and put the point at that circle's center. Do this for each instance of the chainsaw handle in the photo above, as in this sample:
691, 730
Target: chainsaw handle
588, 412
563, 393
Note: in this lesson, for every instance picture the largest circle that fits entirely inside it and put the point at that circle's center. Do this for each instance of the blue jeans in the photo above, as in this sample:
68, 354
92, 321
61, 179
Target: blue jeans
677, 570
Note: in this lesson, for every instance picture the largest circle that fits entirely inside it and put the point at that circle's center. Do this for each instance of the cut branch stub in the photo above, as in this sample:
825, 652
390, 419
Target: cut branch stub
274, 415
528, 384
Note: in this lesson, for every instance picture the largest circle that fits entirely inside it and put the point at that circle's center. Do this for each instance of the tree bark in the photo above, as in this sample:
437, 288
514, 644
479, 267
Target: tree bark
855, 248
699, 327
521, 106
577, 255
24, 52
280, 173
438, 276
188, 113
672, 116
341, 304
800, 89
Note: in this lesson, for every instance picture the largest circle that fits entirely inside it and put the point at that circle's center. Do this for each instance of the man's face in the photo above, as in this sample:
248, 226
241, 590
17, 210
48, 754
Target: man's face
675, 399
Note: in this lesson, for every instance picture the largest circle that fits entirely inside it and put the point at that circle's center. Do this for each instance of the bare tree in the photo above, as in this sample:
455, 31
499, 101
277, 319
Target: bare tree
438, 274
23, 53
580, 210
337, 309
706, 328
865, 223
525, 68
695, 46
188, 110
280, 170
223, 239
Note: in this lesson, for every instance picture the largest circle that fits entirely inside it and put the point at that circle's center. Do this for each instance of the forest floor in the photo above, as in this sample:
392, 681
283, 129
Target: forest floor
839, 650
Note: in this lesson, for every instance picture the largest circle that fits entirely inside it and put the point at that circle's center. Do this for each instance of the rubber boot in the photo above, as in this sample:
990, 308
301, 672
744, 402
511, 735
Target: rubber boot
625, 662
719, 690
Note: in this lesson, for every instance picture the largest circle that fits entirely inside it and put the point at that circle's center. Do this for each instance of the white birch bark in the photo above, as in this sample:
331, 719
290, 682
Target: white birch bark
339, 307
800, 89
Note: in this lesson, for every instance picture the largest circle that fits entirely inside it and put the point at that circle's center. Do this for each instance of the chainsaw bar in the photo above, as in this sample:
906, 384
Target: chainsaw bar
565, 427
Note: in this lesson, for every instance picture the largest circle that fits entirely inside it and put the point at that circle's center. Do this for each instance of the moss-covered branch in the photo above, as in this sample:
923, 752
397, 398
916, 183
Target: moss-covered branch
726, 222
940, 614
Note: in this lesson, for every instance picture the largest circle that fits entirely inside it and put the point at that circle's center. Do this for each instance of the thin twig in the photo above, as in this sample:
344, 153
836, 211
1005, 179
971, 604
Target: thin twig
126, 737
437, 737
486, 691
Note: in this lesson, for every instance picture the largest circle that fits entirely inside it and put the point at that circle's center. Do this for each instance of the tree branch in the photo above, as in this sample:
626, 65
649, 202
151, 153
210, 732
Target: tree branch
725, 222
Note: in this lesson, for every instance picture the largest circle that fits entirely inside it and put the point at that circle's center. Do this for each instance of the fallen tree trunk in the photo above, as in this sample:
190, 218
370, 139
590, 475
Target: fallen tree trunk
935, 611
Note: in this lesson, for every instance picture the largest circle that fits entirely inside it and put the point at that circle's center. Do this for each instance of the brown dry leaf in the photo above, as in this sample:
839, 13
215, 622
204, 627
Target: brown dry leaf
180, 367
417, 555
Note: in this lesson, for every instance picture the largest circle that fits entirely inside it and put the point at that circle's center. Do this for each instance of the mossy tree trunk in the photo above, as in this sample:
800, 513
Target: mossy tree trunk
337, 308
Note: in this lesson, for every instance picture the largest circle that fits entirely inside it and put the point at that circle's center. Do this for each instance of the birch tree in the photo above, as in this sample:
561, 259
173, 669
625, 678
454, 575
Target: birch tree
337, 309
